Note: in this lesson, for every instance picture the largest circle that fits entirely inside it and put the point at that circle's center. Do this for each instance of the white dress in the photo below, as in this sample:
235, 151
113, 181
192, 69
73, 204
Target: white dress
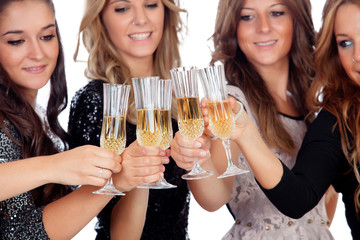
255, 216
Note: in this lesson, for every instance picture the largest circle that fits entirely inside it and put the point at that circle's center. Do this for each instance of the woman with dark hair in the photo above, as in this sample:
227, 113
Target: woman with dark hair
125, 39
330, 152
36, 201
267, 51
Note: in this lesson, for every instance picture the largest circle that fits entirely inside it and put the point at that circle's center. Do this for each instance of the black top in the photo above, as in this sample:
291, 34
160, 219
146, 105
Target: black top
320, 163
168, 209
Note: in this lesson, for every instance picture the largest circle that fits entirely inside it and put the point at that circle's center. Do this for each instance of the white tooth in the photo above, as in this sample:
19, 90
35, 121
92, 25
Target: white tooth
266, 43
140, 36
33, 69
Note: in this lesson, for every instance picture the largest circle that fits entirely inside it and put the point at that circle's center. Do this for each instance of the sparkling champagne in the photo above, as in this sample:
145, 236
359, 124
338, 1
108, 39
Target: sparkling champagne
221, 119
191, 123
113, 134
148, 127
167, 131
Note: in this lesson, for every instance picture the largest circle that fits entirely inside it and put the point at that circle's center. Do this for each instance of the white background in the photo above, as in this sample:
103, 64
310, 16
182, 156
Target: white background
194, 51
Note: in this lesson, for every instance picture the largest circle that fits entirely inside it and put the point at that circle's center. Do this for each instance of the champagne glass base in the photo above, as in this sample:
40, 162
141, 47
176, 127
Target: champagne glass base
109, 191
161, 184
197, 175
232, 170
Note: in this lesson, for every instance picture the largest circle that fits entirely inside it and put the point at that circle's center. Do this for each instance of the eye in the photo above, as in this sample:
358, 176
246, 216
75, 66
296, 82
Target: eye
345, 43
277, 13
121, 10
154, 5
48, 37
246, 17
16, 42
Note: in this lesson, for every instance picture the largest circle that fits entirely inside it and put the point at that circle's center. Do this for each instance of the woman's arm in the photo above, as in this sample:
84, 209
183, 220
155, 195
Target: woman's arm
211, 193
318, 163
67, 216
128, 215
79, 166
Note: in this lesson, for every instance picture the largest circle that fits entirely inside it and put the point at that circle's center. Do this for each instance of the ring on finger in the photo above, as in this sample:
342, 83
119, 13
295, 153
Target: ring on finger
100, 173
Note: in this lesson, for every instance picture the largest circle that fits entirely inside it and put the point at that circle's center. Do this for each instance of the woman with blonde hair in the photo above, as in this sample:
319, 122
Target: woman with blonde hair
126, 39
267, 51
330, 152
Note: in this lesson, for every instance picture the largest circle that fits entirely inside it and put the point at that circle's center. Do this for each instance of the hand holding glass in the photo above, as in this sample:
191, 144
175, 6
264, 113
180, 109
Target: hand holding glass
113, 132
221, 117
190, 120
148, 127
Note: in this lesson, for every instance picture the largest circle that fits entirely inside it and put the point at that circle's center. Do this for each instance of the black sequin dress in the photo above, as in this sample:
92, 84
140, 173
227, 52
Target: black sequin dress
168, 209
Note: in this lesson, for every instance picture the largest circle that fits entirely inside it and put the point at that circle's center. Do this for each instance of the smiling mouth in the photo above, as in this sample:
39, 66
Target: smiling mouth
34, 68
140, 36
266, 43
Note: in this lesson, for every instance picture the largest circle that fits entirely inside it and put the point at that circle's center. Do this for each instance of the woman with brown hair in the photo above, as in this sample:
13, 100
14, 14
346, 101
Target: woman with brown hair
330, 152
126, 39
267, 51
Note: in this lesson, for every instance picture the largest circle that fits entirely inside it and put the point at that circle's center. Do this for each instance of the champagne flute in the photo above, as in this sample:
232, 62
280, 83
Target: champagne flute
148, 127
221, 117
190, 120
113, 131
164, 105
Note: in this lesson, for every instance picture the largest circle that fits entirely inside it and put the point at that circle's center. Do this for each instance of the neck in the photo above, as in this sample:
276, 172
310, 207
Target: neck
276, 78
141, 67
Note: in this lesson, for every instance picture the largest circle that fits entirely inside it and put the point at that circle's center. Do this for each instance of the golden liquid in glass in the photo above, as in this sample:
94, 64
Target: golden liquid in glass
113, 134
221, 119
148, 128
191, 123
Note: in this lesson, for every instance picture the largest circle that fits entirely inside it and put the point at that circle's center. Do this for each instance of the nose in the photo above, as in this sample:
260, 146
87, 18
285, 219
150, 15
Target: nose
356, 54
35, 50
263, 23
140, 17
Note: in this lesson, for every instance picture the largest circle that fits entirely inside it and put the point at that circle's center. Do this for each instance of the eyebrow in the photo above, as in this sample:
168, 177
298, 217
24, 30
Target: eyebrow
341, 35
115, 1
276, 4
21, 31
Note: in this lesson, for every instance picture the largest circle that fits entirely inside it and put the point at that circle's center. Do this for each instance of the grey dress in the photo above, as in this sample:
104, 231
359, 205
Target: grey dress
255, 216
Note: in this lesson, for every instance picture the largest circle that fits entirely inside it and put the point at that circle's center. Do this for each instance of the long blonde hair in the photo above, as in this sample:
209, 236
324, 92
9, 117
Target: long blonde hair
241, 73
339, 94
105, 63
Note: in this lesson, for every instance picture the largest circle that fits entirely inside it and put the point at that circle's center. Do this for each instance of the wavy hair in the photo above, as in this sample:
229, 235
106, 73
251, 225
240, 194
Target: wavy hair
105, 63
340, 95
15, 108
241, 73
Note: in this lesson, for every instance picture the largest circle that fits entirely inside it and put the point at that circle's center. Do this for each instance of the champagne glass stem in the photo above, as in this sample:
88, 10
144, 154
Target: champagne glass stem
109, 189
197, 172
232, 169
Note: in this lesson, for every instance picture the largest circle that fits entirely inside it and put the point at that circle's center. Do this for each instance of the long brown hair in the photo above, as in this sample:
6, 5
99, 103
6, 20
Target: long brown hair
33, 139
339, 94
104, 61
241, 73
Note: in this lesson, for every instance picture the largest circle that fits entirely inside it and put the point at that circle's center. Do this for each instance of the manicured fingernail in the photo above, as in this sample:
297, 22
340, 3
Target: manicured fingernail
202, 154
162, 153
165, 160
197, 145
